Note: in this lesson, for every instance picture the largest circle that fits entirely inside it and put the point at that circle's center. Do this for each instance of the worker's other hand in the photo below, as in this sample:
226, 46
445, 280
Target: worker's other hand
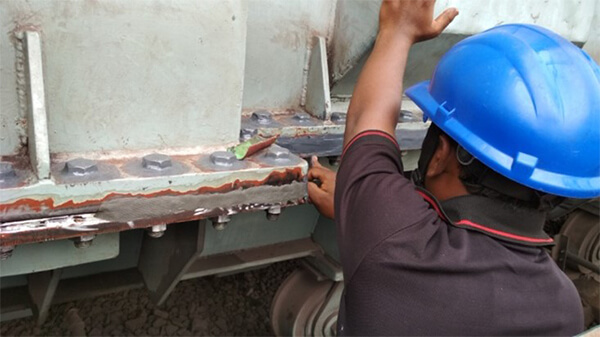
413, 19
321, 195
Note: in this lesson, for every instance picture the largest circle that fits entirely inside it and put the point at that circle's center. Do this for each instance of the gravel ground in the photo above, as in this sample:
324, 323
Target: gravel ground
216, 306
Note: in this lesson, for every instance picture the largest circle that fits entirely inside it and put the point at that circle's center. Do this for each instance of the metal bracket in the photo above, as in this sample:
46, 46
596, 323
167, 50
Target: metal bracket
163, 262
39, 151
318, 97
42, 287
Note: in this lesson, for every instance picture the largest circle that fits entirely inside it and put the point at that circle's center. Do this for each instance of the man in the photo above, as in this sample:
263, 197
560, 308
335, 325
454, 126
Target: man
461, 252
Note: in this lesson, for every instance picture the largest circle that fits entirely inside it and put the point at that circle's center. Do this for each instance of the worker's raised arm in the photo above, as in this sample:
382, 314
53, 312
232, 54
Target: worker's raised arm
376, 99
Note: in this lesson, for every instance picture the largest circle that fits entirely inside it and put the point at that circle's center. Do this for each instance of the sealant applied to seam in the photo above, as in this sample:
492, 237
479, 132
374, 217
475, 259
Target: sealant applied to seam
468, 223
370, 133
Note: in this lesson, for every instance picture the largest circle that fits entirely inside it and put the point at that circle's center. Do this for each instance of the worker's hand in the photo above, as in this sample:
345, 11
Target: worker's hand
321, 195
413, 19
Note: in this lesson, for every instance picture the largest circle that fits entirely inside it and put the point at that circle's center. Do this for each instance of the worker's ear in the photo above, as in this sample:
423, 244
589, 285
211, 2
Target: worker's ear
441, 161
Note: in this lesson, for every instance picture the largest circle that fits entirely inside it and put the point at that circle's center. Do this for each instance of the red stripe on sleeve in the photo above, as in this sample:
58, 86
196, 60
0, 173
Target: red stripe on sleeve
370, 133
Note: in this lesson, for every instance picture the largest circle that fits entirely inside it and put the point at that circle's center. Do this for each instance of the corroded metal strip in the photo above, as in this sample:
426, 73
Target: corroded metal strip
141, 212
48, 205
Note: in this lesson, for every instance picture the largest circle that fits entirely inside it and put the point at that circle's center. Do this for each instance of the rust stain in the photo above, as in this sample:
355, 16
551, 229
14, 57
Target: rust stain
15, 239
274, 179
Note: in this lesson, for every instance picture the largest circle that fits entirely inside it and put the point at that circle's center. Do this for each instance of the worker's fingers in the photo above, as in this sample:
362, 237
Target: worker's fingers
320, 173
314, 160
315, 193
443, 20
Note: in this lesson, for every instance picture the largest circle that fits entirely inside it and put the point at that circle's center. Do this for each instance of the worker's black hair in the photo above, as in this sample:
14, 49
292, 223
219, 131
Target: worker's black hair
482, 180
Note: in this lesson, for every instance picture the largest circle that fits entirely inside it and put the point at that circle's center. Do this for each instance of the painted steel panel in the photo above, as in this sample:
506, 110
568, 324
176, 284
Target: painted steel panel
356, 27
33, 258
13, 111
128, 75
279, 37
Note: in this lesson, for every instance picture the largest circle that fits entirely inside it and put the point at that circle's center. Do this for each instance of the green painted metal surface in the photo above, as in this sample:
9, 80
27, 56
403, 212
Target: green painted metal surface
252, 230
38, 257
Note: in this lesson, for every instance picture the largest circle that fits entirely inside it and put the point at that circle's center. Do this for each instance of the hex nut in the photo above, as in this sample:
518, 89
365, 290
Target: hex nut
273, 212
81, 167
278, 153
262, 117
84, 241
247, 133
156, 231
338, 117
220, 222
223, 158
301, 116
157, 162
6, 171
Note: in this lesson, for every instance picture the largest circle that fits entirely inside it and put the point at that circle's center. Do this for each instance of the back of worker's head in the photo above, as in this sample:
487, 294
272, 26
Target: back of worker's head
522, 105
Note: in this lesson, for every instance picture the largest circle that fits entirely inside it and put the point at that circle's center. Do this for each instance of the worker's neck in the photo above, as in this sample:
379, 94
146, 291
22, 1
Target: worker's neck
445, 186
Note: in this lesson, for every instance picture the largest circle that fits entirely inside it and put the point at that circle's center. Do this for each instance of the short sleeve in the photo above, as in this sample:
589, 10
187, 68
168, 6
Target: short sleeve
373, 198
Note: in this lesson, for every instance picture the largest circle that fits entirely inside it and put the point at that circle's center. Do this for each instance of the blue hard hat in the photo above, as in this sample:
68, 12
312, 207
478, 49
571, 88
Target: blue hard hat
525, 102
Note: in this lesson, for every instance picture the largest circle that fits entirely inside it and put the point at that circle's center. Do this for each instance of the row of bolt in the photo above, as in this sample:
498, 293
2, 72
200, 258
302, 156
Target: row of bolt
160, 162
219, 223
264, 117
155, 162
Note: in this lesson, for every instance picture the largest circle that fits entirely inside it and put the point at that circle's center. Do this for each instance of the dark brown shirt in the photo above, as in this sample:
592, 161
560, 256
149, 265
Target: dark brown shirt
468, 266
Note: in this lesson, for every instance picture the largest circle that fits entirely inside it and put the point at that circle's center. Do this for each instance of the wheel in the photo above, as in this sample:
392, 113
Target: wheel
305, 306
584, 237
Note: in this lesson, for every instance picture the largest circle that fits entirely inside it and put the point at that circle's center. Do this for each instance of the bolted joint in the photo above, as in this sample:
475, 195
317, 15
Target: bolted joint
84, 241
81, 167
223, 158
7, 171
6, 252
262, 117
278, 153
157, 162
273, 212
156, 231
220, 222
247, 133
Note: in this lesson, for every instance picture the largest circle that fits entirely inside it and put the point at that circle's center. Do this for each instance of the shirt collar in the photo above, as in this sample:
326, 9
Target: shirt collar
493, 218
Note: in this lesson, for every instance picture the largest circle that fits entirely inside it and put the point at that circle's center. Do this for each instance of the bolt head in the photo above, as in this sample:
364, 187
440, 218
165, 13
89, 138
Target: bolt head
274, 209
278, 153
338, 117
246, 133
262, 117
220, 222
157, 162
81, 167
84, 241
301, 116
273, 212
156, 231
6, 171
223, 158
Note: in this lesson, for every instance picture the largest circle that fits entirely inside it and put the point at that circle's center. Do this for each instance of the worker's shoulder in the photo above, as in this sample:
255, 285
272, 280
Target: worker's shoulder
434, 243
